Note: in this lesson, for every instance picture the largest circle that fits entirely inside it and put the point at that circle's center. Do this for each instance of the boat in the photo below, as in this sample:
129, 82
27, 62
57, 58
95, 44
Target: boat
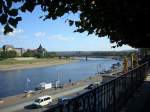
108, 71
115, 65
103, 71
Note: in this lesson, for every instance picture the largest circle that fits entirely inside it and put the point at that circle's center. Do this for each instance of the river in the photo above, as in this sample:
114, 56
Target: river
15, 81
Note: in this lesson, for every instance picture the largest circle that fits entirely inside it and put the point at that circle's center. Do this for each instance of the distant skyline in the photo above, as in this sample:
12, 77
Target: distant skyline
54, 36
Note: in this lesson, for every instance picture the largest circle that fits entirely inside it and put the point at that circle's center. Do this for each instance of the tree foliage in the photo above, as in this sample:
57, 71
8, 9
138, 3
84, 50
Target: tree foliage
123, 21
28, 53
144, 52
114, 53
8, 54
50, 55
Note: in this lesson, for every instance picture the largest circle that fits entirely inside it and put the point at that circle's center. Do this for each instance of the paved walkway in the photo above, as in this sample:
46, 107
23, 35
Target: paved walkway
140, 102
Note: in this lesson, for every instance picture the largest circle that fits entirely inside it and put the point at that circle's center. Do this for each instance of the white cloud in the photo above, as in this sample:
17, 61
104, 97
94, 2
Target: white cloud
40, 34
16, 32
60, 37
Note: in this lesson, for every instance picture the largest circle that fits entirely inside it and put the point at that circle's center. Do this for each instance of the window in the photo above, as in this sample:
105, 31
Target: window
48, 98
38, 100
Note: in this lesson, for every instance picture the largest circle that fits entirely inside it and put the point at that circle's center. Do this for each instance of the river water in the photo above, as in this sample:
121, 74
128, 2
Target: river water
15, 81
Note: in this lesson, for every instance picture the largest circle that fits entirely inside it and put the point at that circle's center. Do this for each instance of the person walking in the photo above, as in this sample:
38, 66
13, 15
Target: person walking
70, 81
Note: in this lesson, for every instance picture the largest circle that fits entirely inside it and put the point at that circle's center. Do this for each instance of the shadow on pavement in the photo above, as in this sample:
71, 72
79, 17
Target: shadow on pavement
31, 106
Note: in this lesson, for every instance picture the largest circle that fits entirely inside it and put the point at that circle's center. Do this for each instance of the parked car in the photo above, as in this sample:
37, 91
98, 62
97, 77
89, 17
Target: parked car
93, 85
63, 100
42, 101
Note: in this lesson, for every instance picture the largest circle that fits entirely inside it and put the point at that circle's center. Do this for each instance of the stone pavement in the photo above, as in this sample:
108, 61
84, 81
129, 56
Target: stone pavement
140, 102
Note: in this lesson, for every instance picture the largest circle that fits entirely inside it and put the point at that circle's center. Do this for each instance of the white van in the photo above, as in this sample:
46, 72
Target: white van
42, 101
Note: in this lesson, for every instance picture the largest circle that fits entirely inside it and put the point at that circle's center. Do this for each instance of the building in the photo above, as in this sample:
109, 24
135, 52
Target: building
8, 47
41, 50
20, 51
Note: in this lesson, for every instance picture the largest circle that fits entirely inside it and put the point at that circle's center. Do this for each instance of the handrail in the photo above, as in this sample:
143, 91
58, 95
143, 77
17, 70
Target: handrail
108, 97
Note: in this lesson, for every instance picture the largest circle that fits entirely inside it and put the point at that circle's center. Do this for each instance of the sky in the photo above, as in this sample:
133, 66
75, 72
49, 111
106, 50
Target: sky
54, 35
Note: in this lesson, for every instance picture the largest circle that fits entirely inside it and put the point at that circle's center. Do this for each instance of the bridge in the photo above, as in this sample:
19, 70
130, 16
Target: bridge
108, 97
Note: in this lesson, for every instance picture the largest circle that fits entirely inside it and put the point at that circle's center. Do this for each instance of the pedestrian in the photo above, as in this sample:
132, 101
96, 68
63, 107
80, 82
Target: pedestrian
70, 81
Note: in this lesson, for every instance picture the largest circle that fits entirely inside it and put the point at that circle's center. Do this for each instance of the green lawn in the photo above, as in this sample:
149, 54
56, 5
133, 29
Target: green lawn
11, 61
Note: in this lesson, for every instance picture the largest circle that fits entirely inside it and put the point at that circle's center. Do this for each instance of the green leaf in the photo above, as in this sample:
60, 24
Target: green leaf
9, 3
23, 8
28, 6
18, 18
71, 22
79, 30
77, 23
54, 17
0, 8
3, 19
7, 29
13, 12
12, 22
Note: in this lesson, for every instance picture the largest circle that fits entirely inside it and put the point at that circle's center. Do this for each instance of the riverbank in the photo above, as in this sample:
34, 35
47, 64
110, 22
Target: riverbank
13, 64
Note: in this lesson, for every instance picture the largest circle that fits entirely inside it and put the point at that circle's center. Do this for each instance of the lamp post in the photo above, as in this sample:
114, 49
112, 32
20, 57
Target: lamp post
98, 66
125, 64
135, 61
132, 58
28, 80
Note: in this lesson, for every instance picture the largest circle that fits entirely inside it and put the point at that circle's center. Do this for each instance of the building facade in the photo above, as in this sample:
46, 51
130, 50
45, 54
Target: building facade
19, 51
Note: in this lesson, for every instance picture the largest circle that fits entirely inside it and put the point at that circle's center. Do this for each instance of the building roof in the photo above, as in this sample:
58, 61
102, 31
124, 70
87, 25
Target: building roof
8, 46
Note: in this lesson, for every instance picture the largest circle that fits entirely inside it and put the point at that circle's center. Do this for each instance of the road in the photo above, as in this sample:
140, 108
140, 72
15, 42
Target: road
30, 108
19, 106
54, 96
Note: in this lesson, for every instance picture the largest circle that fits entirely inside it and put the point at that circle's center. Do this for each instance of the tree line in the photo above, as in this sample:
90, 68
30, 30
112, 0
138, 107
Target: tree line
39, 54
28, 53
8, 54
113, 53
